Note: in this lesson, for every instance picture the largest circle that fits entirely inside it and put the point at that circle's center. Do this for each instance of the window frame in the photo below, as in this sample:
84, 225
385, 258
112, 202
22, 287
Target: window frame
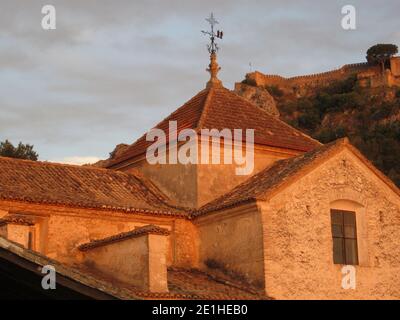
344, 238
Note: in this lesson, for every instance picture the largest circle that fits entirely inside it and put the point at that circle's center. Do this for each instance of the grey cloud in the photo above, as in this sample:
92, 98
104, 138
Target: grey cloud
113, 69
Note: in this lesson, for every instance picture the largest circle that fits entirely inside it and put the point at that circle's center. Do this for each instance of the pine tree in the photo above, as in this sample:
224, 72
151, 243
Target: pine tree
22, 151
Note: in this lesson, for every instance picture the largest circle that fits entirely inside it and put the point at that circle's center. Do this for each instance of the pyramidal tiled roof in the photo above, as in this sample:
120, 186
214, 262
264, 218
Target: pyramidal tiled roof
218, 108
81, 186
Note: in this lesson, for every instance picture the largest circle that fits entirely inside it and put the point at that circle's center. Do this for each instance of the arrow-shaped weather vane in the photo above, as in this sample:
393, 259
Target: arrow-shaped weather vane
213, 47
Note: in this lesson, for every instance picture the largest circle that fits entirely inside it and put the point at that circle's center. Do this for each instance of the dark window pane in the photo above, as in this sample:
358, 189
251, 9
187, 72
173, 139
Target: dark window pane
344, 233
336, 217
337, 230
338, 254
351, 251
349, 218
350, 232
30, 240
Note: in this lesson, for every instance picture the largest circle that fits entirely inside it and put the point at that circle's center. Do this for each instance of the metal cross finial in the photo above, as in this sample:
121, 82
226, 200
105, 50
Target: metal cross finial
212, 47
211, 20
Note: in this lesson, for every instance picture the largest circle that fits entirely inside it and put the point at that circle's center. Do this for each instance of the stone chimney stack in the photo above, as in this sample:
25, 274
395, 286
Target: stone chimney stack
137, 257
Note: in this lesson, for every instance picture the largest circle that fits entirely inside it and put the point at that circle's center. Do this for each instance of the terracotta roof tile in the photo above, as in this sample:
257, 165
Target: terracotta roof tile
185, 284
80, 186
15, 219
198, 284
148, 229
219, 108
182, 283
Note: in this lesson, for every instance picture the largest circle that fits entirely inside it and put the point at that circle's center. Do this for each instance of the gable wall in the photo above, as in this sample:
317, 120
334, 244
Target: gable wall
215, 180
298, 239
231, 242
177, 181
193, 185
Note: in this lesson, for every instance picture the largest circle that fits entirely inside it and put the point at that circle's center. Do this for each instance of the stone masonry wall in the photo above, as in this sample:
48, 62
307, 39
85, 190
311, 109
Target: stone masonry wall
368, 76
311, 81
126, 261
298, 240
139, 260
231, 242
66, 228
193, 185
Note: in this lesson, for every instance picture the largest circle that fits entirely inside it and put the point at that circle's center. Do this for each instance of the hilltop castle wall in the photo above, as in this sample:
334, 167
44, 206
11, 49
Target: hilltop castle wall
395, 66
367, 75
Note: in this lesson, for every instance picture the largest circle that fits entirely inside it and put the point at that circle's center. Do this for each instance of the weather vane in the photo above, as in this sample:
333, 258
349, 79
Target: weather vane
213, 47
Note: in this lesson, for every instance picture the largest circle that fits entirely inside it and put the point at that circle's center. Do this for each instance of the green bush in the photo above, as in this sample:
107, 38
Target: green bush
275, 91
309, 120
329, 135
340, 87
379, 141
250, 82
382, 112
289, 107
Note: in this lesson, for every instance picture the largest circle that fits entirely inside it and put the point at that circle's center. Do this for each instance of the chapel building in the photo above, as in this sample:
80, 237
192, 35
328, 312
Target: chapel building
134, 230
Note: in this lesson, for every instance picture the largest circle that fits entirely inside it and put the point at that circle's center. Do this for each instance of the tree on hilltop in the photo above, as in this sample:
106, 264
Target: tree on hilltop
22, 151
381, 53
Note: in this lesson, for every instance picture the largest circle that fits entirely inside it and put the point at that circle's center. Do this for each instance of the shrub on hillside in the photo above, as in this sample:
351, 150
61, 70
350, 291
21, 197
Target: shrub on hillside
329, 135
274, 91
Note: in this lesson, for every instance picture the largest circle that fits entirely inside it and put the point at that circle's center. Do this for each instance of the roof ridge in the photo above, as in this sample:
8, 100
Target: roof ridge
371, 166
276, 118
206, 106
156, 191
82, 176
147, 229
174, 112
325, 151
127, 150
134, 174
124, 209
54, 164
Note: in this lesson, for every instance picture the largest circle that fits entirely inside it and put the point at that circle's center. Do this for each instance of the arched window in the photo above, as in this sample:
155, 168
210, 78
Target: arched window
344, 234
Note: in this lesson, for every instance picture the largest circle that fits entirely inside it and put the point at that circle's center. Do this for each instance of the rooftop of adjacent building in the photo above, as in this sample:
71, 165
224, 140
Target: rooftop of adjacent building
77, 281
81, 186
131, 193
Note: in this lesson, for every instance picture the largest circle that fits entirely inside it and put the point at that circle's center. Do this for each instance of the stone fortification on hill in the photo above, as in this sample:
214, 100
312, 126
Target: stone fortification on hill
367, 76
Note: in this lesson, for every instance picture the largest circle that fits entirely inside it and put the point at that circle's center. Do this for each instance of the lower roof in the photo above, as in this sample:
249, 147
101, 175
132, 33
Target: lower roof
182, 283
88, 283
80, 186
187, 284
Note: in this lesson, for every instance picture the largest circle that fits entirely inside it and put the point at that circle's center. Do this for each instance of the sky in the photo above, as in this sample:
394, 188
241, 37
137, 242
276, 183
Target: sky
112, 69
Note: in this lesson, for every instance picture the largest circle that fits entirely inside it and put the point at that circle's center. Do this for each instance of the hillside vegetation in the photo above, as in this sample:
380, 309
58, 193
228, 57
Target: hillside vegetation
370, 117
